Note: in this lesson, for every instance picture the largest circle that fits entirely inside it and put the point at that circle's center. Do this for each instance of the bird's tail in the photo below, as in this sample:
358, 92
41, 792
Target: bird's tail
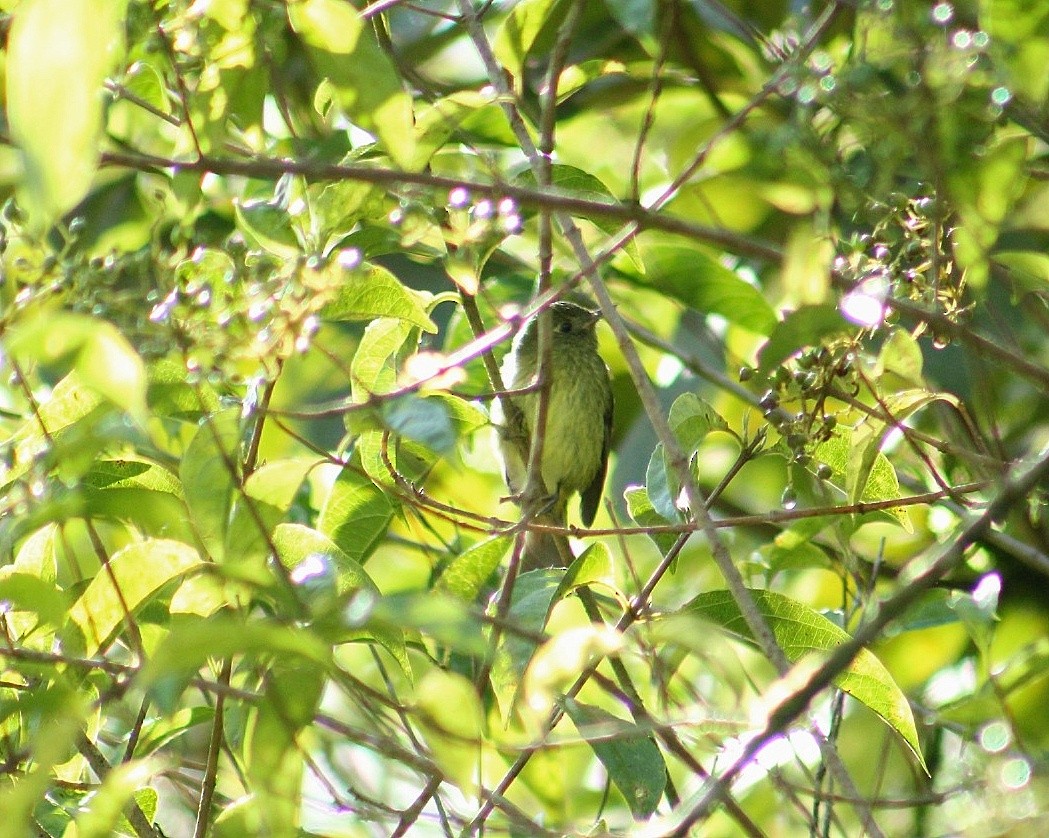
544, 549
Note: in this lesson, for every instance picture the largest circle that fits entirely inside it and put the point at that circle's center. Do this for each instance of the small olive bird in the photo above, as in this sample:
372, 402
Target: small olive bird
578, 425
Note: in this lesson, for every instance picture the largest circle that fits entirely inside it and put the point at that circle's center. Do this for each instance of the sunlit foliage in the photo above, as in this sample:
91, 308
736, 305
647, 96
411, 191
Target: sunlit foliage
260, 260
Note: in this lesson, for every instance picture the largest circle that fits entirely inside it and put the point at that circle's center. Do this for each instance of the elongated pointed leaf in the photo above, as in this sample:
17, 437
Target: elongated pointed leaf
344, 50
800, 631
521, 29
533, 597
268, 494
372, 291
102, 357
630, 755
576, 183
701, 282
451, 718
296, 544
58, 56
466, 573
206, 478
356, 514
644, 514
800, 329
134, 575
859, 466
691, 419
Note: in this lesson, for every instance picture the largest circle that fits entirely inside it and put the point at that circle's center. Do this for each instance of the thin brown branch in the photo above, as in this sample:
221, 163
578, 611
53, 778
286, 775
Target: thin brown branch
210, 778
272, 168
1013, 491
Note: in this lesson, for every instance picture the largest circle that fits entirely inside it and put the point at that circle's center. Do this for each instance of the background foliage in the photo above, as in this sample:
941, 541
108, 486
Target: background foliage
257, 578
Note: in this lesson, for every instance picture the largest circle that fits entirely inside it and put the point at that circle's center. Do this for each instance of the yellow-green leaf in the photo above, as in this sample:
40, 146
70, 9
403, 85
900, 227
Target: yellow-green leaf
58, 56
372, 291
343, 50
134, 574
800, 631
104, 359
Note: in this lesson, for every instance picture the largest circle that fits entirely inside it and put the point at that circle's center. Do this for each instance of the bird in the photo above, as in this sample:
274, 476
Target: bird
578, 425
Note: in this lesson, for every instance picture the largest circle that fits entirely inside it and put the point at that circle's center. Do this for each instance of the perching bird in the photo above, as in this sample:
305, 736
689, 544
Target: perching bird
578, 424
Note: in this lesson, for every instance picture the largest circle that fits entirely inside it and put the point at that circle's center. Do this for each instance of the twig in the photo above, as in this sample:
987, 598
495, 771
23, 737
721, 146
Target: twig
1014, 489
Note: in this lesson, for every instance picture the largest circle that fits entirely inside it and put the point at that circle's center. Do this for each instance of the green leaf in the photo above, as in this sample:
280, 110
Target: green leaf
662, 486
25, 592
594, 566
575, 77
70, 404
691, 419
143, 80
804, 327
978, 611
691, 276
800, 631
466, 574
466, 416
883, 485
436, 122
629, 754
643, 513
165, 730
900, 356
146, 799
51, 745
101, 356
376, 454
277, 483
451, 719
206, 478
339, 206
58, 57
371, 291
355, 515
720, 17
268, 225
557, 664
806, 273
295, 543
134, 574
865, 476
239, 818
157, 514
104, 812
520, 31
638, 17
342, 49
191, 644
139, 491
984, 191
533, 596
170, 394
37, 555
132, 472
267, 496
793, 547
433, 614
275, 761
1028, 270
423, 419
575, 183
374, 365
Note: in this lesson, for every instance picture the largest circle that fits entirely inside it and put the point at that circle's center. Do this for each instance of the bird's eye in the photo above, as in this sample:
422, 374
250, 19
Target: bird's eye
564, 327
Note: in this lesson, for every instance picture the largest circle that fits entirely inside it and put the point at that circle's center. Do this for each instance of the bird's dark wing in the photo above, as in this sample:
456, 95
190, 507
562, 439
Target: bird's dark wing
591, 495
